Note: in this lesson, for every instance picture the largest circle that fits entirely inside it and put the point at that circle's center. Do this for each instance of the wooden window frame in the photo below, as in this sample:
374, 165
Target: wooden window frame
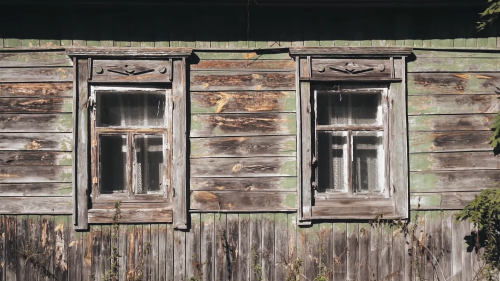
123, 69
390, 80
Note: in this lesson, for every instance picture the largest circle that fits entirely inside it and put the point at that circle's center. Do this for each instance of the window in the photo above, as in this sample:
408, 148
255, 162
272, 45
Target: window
354, 162
130, 135
130, 132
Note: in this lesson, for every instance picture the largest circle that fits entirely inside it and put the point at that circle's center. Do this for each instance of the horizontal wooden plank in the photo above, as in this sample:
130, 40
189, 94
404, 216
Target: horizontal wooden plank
142, 215
443, 201
446, 104
244, 167
243, 55
353, 211
36, 105
351, 51
35, 158
42, 74
455, 54
243, 146
36, 174
244, 184
36, 141
452, 83
449, 141
243, 201
441, 181
480, 160
473, 122
207, 125
233, 102
98, 52
235, 65
26, 90
436, 64
232, 81
36, 205
36, 189
34, 59
25, 123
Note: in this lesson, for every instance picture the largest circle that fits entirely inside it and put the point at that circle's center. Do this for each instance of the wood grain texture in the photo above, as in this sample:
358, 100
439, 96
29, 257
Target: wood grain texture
34, 59
27, 174
442, 181
243, 146
35, 105
81, 147
446, 104
243, 167
472, 122
38, 141
42, 74
35, 158
440, 64
207, 125
456, 161
149, 71
235, 102
444, 201
449, 141
240, 184
128, 215
452, 83
23, 123
231, 81
243, 65
27, 90
36, 189
242, 201
36, 205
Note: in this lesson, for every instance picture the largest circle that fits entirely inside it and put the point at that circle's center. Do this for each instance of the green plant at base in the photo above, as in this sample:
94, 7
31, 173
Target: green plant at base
489, 15
484, 213
495, 139
112, 273
257, 267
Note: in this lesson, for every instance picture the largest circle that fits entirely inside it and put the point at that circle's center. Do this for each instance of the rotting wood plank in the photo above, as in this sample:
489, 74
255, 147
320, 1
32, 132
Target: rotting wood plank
447, 253
456, 53
48, 226
106, 250
22, 251
244, 184
179, 255
398, 254
42, 74
32, 90
375, 243
268, 246
231, 247
23, 123
243, 167
256, 247
245, 250
2, 247
246, 101
11, 259
458, 161
340, 249
194, 267
449, 181
325, 233
353, 251
364, 250
254, 124
242, 146
36, 205
451, 141
232, 81
34, 59
36, 105
242, 201
441, 64
453, 83
35, 158
469, 122
162, 252
144, 243
170, 251
282, 257
36, 141
385, 252
221, 249
81, 147
244, 65
154, 250
448, 104
208, 258
444, 201
96, 270
27, 174
86, 260
458, 247
74, 254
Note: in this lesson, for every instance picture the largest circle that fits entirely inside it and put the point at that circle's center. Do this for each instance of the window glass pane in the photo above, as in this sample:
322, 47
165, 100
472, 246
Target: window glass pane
368, 162
113, 163
131, 109
332, 161
148, 164
348, 109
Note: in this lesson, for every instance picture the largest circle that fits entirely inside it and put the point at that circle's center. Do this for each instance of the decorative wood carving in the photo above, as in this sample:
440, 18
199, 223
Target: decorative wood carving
351, 68
131, 70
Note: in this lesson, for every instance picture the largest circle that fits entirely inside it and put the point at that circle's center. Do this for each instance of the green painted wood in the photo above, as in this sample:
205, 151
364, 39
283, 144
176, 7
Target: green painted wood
452, 83
458, 161
456, 54
243, 55
442, 181
449, 141
448, 104
438, 64
34, 59
469, 122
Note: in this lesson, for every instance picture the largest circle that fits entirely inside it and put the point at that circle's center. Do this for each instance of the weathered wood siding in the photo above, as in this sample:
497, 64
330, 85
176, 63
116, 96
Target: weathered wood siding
238, 247
35, 133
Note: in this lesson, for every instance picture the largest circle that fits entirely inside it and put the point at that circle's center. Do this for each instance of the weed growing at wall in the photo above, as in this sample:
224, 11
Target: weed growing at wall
112, 273
484, 213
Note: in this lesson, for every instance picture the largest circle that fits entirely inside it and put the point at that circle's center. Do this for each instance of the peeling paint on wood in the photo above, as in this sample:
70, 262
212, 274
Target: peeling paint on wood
36, 141
460, 161
236, 65
45, 74
25, 90
476, 122
445, 104
35, 158
435, 64
34, 59
246, 184
250, 81
36, 189
248, 201
449, 141
442, 181
243, 167
452, 83
23, 123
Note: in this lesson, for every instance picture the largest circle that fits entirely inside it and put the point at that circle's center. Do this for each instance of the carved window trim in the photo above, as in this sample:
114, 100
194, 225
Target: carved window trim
359, 69
125, 69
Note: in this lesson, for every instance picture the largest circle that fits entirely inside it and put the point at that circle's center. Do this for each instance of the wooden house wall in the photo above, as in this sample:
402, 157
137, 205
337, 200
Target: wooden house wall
242, 148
